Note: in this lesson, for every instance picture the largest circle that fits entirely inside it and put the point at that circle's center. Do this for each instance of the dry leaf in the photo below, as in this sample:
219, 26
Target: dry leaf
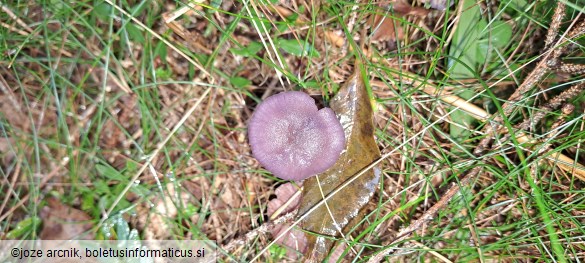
294, 240
343, 210
387, 27
335, 38
61, 222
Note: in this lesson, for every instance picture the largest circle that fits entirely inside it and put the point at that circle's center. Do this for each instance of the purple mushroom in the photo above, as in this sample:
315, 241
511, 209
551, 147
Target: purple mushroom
293, 139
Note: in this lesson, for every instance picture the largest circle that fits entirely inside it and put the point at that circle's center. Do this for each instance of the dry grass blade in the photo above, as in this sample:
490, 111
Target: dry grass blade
260, 29
427, 216
563, 161
14, 17
169, 44
152, 155
549, 59
136, 115
263, 229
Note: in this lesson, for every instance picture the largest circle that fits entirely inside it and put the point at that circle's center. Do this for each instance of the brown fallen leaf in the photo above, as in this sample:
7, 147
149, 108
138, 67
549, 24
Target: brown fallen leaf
344, 209
388, 27
61, 222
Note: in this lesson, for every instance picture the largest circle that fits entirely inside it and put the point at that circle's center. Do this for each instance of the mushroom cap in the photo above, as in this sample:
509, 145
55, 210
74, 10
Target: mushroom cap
293, 139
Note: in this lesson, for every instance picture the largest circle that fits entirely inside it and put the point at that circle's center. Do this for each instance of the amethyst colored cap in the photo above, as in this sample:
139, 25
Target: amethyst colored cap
292, 139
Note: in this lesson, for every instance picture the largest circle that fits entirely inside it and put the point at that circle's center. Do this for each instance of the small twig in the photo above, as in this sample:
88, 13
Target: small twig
261, 230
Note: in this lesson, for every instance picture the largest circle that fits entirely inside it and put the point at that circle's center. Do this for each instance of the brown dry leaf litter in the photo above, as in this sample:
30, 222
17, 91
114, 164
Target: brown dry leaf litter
61, 222
386, 24
218, 175
345, 208
287, 200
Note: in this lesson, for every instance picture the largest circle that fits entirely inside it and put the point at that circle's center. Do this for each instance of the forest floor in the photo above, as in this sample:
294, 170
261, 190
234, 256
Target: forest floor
128, 120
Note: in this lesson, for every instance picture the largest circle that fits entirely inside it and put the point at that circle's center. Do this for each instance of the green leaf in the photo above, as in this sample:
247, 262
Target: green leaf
482, 50
501, 34
312, 84
57, 4
133, 235
101, 187
293, 17
467, 48
282, 26
191, 210
498, 37
463, 119
240, 82
268, 2
131, 167
140, 190
297, 48
277, 252
122, 228
108, 225
499, 70
215, 4
138, 9
264, 23
102, 10
161, 51
24, 227
464, 46
289, 21
134, 33
163, 73
514, 5
87, 202
248, 51
109, 172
